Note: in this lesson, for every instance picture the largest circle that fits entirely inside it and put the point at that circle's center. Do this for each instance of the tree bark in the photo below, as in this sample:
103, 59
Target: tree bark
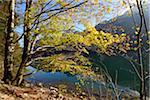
140, 59
9, 46
19, 76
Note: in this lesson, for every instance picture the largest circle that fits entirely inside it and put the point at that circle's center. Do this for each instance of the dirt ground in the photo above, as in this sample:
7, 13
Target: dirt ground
8, 92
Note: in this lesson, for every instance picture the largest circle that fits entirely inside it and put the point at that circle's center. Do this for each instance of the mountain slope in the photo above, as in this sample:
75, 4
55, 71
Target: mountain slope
117, 65
125, 21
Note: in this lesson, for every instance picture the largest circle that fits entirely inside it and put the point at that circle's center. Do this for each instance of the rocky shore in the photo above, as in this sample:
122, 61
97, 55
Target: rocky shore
32, 92
8, 92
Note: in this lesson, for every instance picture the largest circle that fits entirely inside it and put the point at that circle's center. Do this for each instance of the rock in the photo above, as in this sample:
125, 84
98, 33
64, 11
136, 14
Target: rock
9, 92
28, 85
34, 97
12, 98
83, 94
4, 96
147, 98
25, 94
42, 90
1, 82
40, 84
53, 92
53, 88
81, 97
131, 93
60, 95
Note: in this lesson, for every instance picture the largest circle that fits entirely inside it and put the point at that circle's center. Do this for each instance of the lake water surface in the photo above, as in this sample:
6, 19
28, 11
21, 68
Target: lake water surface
126, 76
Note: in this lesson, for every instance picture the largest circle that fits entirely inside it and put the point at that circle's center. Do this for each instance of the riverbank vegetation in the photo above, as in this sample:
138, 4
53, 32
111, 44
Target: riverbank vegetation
59, 36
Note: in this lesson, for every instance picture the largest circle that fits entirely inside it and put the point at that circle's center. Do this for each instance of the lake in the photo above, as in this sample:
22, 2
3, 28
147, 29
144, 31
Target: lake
126, 77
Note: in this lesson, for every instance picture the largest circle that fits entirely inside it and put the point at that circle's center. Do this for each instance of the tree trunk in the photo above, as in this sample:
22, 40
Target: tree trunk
140, 59
9, 46
19, 76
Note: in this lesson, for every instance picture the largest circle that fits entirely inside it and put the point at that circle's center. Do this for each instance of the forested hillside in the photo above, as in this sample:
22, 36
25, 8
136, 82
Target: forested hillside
125, 23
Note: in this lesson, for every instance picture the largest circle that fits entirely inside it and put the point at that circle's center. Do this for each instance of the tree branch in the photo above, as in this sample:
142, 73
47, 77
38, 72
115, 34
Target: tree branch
140, 59
41, 49
38, 15
46, 11
41, 57
62, 11
20, 37
134, 67
33, 44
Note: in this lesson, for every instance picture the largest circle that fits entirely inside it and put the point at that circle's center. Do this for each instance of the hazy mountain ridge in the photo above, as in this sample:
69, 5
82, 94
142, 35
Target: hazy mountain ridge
124, 23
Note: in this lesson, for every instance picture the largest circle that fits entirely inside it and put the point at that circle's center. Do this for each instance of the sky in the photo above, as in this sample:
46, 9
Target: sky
118, 11
94, 21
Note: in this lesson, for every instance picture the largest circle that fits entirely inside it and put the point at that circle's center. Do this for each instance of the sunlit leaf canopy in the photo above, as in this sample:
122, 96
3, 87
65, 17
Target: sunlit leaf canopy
71, 50
52, 24
92, 11
67, 21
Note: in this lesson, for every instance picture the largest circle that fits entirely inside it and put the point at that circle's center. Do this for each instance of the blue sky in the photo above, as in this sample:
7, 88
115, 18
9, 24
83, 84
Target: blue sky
94, 20
78, 26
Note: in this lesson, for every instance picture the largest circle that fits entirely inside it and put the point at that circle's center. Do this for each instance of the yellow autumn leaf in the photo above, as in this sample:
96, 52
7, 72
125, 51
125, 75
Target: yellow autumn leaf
108, 9
96, 1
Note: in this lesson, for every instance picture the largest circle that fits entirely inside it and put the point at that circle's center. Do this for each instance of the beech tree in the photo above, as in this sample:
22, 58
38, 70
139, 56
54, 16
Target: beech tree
4, 15
9, 46
50, 44
32, 23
